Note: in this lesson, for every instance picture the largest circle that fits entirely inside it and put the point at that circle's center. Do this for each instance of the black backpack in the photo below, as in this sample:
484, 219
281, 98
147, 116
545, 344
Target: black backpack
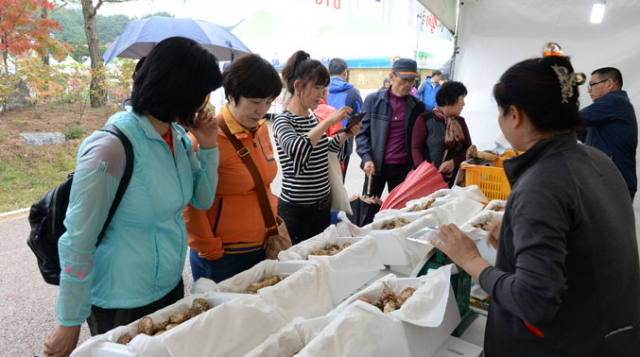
47, 215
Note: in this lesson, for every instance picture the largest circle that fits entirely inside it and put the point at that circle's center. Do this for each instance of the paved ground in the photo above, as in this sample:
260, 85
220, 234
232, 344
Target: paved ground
27, 303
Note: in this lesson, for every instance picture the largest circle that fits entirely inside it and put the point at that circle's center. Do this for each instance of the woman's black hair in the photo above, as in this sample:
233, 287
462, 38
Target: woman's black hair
449, 93
176, 77
300, 66
534, 87
251, 77
138, 66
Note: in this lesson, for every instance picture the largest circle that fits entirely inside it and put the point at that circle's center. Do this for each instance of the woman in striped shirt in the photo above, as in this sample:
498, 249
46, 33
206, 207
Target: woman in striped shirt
302, 143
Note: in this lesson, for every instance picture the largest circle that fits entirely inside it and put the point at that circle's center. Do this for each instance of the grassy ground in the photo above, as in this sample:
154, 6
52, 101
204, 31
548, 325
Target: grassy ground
26, 173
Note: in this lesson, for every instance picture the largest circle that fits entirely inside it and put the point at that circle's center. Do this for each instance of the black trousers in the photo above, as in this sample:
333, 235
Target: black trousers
390, 174
102, 320
303, 222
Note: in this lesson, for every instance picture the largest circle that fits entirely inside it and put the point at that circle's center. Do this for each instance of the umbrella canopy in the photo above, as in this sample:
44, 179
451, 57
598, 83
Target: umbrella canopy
421, 182
139, 36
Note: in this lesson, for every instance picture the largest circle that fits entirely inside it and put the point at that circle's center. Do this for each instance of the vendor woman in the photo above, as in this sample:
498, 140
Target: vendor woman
567, 279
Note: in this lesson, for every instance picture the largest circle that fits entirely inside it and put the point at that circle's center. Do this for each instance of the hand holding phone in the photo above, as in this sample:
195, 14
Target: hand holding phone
353, 121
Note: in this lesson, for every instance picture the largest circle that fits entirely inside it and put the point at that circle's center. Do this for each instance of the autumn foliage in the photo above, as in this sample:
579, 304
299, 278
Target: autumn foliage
22, 28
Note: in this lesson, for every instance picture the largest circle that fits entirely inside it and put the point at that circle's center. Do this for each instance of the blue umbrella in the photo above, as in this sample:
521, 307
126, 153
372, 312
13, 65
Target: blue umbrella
139, 36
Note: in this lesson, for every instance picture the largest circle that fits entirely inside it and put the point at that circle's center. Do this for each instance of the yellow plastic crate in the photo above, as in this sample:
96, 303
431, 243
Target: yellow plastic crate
491, 180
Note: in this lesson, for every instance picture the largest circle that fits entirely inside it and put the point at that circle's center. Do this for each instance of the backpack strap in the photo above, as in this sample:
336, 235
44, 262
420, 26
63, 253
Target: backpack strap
126, 176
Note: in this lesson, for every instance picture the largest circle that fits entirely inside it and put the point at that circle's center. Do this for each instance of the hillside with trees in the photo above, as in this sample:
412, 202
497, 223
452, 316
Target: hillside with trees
109, 28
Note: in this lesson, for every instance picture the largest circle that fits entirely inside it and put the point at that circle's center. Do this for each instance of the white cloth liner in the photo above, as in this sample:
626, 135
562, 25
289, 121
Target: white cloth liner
451, 205
305, 292
292, 337
143, 345
232, 330
487, 251
496, 204
361, 256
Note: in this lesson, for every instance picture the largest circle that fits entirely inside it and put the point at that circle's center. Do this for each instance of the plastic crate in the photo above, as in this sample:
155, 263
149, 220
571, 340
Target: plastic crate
492, 180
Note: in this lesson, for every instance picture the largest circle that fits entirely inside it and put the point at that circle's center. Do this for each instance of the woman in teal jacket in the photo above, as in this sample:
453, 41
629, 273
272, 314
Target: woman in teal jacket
137, 268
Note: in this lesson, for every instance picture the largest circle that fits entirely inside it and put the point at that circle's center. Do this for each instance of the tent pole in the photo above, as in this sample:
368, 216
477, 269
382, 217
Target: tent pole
455, 44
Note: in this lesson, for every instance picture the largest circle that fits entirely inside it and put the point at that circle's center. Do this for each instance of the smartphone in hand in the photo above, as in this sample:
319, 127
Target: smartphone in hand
355, 119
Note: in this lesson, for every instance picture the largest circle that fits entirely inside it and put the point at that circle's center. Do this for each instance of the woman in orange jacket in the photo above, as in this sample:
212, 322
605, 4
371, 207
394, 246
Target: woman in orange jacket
227, 238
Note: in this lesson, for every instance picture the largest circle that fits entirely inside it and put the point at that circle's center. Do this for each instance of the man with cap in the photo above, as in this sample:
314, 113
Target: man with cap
384, 140
428, 89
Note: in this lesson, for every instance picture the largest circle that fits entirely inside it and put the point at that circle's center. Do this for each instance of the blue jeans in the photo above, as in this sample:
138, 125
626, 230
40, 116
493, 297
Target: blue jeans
226, 267
303, 222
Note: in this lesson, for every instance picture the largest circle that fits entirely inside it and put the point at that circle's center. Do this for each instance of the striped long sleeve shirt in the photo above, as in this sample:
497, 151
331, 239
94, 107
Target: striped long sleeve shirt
304, 167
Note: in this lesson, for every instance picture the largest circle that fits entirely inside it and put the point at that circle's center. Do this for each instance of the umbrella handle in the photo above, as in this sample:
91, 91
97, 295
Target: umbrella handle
369, 184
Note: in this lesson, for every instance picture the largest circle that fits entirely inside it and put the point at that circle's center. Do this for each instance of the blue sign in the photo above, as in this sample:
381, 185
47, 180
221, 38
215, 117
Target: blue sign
325, 61
275, 62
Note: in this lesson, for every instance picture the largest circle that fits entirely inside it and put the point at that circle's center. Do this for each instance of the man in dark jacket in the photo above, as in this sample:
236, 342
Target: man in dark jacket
428, 89
384, 140
343, 94
611, 123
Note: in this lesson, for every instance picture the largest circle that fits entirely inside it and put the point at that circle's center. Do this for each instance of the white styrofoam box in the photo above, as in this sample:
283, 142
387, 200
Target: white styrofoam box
422, 324
345, 279
393, 246
105, 344
455, 347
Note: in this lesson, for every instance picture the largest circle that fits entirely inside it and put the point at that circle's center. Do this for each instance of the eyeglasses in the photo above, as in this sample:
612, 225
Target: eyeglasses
590, 85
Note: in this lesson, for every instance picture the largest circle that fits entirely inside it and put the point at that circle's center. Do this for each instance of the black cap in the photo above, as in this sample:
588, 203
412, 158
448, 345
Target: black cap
405, 68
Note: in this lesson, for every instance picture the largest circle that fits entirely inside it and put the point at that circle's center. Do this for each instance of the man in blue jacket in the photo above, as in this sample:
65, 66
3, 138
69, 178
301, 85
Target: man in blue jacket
428, 89
611, 123
384, 140
343, 94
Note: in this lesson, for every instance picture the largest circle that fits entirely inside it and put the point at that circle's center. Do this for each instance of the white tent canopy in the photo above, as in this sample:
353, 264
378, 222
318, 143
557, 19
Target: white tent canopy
495, 34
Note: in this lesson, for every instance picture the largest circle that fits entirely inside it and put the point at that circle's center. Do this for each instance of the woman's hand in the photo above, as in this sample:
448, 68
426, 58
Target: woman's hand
354, 130
62, 341
447, 167
494, 234
338, 115
205, 129
461, 249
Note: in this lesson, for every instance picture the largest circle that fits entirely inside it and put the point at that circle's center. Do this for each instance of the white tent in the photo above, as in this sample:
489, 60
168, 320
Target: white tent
495, 34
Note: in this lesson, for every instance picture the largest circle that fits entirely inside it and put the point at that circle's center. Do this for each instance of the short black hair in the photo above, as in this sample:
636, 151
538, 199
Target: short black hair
337, 66
533, 87
174, 80
449, 93
251, 76
138, 66
436, 73
609, 73
301, 66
